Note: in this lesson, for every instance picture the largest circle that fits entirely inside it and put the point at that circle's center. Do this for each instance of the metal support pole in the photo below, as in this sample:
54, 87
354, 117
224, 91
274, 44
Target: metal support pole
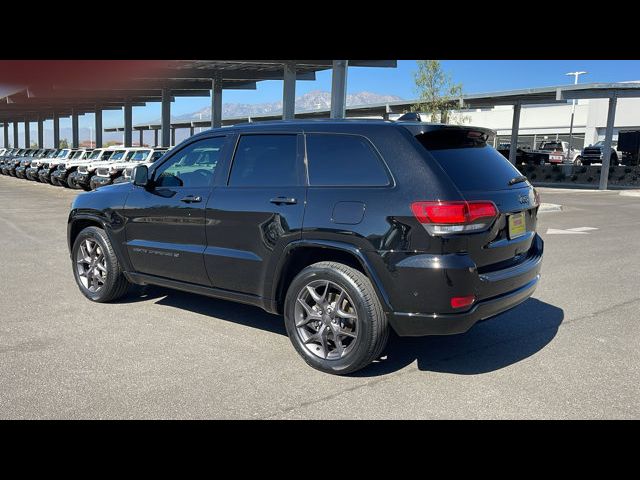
387, 111
608, 137
289, 92
173, 136
155, 137
98, 122
75, 143
56, 130
191, 130
166, 117
141, 141
6, 134
513, 149
27, 133
216, 103
339, 88
40, 132
15, 134
128, 124
533, 147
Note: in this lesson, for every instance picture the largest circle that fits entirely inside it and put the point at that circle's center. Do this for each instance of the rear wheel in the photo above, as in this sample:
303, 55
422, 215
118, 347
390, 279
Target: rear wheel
578, 161
96, 267
334, 318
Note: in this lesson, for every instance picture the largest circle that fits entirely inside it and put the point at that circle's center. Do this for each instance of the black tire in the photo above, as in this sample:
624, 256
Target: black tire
115, 285
372, 326
614, 160
578, 161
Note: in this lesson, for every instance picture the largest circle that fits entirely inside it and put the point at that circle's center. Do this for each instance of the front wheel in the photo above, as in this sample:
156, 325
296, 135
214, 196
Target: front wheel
334, 318
96, 267
578, 161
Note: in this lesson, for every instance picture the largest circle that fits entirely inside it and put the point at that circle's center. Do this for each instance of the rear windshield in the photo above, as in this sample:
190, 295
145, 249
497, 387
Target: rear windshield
467, 159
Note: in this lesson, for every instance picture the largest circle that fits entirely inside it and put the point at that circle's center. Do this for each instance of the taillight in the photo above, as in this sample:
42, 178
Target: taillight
441, 218
462, 302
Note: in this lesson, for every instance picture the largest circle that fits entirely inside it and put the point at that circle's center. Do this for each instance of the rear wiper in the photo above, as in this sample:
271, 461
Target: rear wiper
518, 179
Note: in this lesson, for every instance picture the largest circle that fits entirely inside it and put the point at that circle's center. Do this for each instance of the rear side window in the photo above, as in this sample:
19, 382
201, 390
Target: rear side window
265, 160
470, 163
343, 160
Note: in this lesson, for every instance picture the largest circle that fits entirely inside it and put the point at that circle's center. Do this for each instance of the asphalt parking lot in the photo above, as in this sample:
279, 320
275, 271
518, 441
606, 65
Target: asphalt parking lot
569, 352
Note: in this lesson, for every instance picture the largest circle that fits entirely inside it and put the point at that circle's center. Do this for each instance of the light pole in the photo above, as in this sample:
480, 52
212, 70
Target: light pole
573, 111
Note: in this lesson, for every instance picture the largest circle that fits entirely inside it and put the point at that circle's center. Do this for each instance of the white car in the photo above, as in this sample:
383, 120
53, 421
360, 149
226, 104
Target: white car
107, 174
81, 178
62, 171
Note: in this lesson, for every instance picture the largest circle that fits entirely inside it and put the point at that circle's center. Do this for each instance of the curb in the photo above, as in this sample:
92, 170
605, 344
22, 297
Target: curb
630, 193
549, 207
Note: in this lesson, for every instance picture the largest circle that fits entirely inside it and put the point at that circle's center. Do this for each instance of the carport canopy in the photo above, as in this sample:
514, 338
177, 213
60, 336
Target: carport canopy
133, 83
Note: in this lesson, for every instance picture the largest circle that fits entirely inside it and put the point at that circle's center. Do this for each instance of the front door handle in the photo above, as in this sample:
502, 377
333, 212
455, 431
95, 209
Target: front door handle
191, 199
284, 200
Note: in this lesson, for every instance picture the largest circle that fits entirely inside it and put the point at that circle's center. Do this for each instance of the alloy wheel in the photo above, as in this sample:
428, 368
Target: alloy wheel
91, 265
326, 319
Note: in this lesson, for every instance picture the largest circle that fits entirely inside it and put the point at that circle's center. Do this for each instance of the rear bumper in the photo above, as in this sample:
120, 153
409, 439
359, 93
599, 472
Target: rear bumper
498, 291
416, 325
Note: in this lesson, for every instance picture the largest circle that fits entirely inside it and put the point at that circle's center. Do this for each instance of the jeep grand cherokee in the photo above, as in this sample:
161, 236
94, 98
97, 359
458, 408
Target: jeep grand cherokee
347, 228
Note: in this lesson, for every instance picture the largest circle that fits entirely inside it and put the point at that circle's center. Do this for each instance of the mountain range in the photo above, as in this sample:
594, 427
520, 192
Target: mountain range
314, 100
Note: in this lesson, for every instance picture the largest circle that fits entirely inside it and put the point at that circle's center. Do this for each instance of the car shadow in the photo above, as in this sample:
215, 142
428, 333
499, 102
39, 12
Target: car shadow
247, 315
488, 346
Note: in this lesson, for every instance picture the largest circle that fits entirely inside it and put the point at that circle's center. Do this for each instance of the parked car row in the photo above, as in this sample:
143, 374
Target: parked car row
80, 168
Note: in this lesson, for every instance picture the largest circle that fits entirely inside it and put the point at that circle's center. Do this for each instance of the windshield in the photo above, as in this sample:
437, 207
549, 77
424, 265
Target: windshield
551, 146
95, 154
139, 155
118, 155
63, 153
129, 155
77, 155
51, 154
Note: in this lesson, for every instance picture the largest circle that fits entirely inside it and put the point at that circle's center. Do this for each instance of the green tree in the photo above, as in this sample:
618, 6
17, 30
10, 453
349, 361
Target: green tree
64, 143
33, 145
437, 93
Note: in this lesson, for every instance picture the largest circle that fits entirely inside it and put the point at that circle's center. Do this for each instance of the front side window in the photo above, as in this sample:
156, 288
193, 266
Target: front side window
192, 166
343, 160
265, 160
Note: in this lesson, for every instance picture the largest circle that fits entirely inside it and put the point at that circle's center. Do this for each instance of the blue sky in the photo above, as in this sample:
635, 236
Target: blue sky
476, 76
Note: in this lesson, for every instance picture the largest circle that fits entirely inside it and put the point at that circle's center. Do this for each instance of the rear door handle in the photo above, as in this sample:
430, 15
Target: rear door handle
191, 199
284, 200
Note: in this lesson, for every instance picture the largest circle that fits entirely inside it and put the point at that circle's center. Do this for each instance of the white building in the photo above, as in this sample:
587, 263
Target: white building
551, 121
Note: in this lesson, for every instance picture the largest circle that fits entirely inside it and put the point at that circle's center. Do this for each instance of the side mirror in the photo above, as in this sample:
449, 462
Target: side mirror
141, 176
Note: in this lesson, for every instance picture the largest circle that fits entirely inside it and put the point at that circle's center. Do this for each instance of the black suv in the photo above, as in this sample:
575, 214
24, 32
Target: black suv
346, 227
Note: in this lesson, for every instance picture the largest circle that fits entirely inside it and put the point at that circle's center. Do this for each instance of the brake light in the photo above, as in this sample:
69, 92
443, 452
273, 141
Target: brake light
440, 218
462, 302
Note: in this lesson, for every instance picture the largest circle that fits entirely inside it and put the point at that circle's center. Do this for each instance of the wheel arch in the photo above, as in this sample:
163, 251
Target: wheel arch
302, 253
